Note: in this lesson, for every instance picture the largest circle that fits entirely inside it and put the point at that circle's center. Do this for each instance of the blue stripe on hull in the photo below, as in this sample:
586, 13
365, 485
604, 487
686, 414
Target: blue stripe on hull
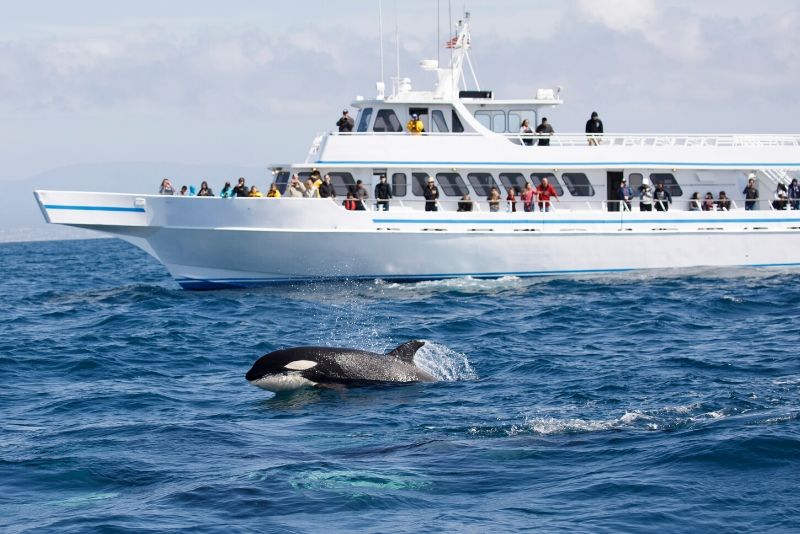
91, 208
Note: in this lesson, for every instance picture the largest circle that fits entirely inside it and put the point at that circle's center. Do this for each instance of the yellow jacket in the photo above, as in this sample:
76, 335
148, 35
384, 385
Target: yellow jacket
415, 126
274, 194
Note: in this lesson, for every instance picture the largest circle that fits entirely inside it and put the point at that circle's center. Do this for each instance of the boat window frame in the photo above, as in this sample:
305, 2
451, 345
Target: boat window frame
364, 117
536, 180
521, 113
438, 122
396, 185
282, 180
507, 183
450, 189
457, 126
674, 188
577, 190
385, 115
488, 188
341, 188
492, 114
417, 185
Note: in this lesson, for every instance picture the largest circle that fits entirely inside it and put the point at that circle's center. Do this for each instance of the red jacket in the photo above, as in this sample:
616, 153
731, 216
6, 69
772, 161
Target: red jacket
546, 192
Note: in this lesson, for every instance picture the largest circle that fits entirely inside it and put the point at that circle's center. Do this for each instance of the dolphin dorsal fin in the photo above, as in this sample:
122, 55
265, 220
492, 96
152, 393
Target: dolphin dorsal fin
406, 351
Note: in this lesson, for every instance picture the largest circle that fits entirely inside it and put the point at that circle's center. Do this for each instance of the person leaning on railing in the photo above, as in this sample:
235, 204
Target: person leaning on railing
326, 189
661, 197
723, 202
494, 199
383, 192
645, 198
431, 194
465, 204
794, 194
751, 195
527, 197
166, 187
273, 191
545, 191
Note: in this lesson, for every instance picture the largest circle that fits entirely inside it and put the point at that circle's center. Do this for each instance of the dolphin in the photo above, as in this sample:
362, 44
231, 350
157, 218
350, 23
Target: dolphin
288, 369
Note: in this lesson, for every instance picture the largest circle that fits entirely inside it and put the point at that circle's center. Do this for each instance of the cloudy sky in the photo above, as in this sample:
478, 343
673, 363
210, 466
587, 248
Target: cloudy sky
249, 82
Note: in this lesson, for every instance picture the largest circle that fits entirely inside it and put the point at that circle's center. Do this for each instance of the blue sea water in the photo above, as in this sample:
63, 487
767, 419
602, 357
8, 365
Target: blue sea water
631, 402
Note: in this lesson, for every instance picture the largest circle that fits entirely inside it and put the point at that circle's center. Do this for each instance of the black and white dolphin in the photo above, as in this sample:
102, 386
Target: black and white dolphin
288, 369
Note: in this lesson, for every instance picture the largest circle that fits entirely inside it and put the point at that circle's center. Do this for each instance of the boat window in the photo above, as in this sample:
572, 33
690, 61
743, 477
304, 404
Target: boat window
515, 179
438, 124
457, 126
418, 182
281, 180
635, 180
386, 121
399, 187
342, 182
536, 178
669, 181
452, 184
495, 120
578, 184
516, 117
481, 182
304, 176
363, 120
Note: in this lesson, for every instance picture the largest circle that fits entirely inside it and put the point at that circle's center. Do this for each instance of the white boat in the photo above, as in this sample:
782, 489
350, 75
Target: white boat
471, 142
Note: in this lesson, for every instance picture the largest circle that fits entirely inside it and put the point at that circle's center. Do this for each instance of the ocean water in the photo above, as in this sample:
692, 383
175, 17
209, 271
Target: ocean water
630, 402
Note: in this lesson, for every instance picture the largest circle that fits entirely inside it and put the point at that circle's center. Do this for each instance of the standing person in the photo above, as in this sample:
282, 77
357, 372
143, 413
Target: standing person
241, 190
544, 129
227, 191
350, 203
184, 192
311, 190
512, 200
545, 191
794, 194
594, 126
465, 204
273, 191
723, 202
326, 189
383, 192
624, 195
645, 198
415, 126
781, 201
296, 188
431, 195
361, 195
708, 202
750, 194
526, 133
167, 189
662, 197
205, 191
254, 193
494, 199
345, 122
527, 197
694, 202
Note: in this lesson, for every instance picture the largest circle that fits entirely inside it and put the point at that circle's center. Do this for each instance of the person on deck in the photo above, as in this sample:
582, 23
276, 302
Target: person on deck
526, 133
431, 195
750, 194
661, 197
494, 199
527, 197
794, 194
723, 202
345, 122
205, 191
241, 190
296, 188
326, 189
383, 192
594, 126
415, 126
545, 191
624, 195
273, 191
227, 191
166, 187
511, 199
465, 204
544, 129
645, 198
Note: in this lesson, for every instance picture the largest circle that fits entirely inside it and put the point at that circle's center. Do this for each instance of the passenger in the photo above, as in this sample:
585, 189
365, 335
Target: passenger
708, 203
415, 126
316, 178
545, 191
794, 194
273, 191
241, 190
694, 202
431, 196
494, 199
311, 191
526, 133
465, 204
781, 201
662, 197
205, 191
544, 129
345, 122
645, 197
192, 191
594, 126
527, 197
326, 189
254, 193
166, 187
361, 193
227, 191
511, 199
750, 194
723, 203
350, 203
295, 188
383, 192
184, 192
624, 195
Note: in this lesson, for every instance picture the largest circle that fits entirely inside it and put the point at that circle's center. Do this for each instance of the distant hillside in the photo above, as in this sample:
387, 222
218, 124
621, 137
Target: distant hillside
21, 220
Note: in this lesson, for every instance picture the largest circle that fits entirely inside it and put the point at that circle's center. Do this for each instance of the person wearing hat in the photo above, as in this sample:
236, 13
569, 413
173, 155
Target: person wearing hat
383, 192
645, 197
594, 126
415, 126
345, 123
624, 195
431, 195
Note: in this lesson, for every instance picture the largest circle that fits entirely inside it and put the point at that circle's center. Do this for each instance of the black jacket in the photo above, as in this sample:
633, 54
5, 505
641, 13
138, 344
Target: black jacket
383, 191
241, 190
326, 190
594, 126
431, 193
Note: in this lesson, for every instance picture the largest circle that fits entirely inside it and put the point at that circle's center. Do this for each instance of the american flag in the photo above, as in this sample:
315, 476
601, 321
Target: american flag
451, 43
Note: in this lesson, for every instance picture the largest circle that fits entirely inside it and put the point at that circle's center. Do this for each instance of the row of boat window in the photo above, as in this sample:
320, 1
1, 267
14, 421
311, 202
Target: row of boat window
452, 184
386, 120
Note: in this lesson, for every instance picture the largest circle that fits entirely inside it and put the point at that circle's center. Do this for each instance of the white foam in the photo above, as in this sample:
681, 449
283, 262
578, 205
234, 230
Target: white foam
444, 363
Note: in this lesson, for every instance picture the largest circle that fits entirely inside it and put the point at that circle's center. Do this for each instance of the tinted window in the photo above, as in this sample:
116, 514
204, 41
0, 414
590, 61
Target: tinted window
418, 182
669, 181
536, 178
399, 184
516, 117
363, 121
457, 126
342, 181
578, 184
515, 179
493, 120
439, 124
482, 182
452, 184
635, 180
281, 180
387, 121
